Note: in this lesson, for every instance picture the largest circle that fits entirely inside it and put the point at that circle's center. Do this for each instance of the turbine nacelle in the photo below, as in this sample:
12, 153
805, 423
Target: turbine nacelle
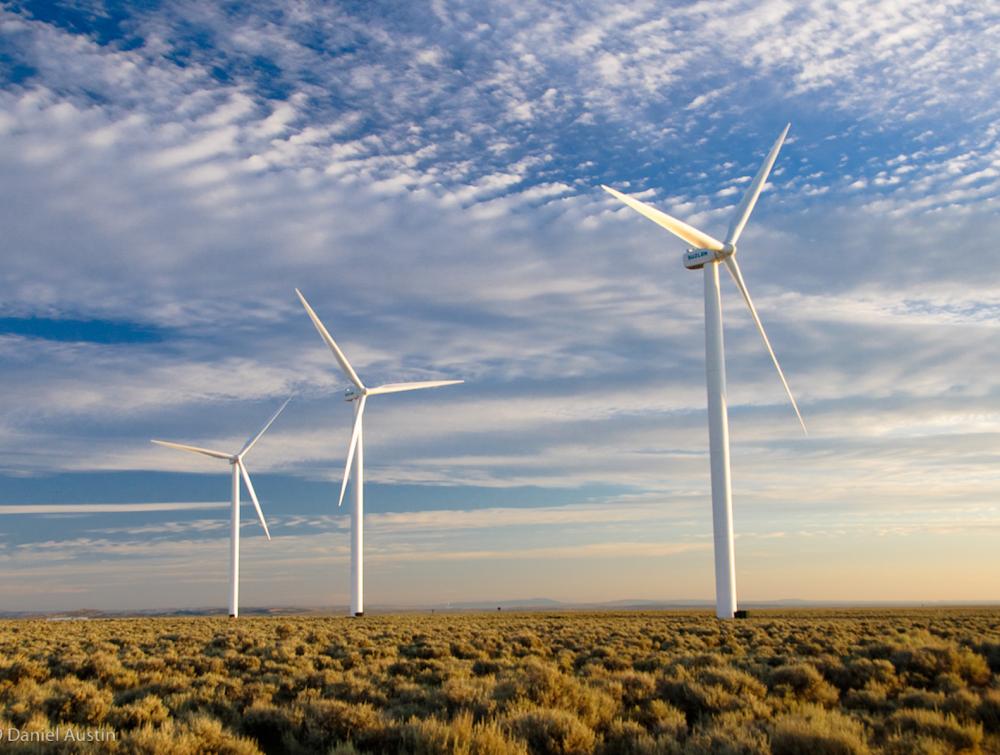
696, 259
353, 394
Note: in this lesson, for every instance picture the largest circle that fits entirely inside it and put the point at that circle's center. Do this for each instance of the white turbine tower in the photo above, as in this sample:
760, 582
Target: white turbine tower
355, 451
239, 469
707, 253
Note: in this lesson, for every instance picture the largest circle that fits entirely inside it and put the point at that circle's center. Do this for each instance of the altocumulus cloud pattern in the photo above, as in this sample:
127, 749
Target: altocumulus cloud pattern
430, 177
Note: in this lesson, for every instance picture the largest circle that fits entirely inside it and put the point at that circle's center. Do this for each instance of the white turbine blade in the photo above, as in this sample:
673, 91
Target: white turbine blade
398, 387
341, 359
193, 449
750, 198
355, 433
253, 495
734, 268
250, 443
679, 228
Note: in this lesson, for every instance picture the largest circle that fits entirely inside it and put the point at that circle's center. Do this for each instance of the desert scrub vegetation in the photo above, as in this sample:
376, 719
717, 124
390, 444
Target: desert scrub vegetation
829, 683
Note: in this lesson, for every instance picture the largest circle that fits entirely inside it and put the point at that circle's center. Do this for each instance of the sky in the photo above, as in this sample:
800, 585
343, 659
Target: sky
428, 174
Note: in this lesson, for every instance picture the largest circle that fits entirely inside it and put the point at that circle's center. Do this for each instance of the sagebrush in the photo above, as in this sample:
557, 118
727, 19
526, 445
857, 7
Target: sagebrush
805, 682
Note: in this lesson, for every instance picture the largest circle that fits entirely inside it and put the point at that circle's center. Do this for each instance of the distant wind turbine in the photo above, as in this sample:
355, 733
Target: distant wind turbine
707, 253
239, 469
355, 451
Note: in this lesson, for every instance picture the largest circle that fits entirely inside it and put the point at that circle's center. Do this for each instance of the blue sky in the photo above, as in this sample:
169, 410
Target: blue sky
427, 173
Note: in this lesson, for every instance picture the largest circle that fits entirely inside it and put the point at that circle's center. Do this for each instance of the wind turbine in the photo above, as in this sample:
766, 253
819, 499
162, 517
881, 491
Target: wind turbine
707, 253
358, 394
239, 469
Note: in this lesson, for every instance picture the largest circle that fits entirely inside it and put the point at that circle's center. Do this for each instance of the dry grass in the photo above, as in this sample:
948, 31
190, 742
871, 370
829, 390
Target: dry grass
804, 682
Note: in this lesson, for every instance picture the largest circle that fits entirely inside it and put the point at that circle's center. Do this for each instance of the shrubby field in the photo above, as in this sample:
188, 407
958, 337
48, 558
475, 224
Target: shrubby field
795, 682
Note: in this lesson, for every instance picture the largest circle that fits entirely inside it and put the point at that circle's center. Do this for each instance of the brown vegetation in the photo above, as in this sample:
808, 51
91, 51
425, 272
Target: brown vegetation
806, 682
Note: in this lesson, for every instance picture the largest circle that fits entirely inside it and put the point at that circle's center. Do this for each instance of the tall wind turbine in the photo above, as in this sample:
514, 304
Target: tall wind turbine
707, 253
239, 470
358, 394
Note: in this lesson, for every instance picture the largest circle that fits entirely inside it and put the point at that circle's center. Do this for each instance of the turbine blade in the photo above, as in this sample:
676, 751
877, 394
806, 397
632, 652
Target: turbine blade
194, 449
355, 434
341, 359
734, 269
750, 198
253, 495
398, 387
250, 443
679, 228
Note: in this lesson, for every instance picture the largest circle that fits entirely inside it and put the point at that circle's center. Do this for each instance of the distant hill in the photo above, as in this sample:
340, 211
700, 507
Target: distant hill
526, 604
